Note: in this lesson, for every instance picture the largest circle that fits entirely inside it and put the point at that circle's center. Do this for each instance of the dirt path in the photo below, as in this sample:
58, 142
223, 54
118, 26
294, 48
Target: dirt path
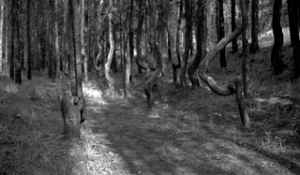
199, 134
181, 142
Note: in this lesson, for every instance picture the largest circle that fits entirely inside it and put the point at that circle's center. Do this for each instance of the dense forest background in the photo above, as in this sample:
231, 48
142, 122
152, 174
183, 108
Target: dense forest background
153, 87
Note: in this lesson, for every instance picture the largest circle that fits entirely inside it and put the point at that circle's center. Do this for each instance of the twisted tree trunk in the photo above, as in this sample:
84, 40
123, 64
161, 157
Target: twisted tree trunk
111, 53
234, 87
201, 35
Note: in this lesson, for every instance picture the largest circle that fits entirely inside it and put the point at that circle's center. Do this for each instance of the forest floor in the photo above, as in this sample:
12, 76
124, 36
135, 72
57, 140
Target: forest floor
196, 134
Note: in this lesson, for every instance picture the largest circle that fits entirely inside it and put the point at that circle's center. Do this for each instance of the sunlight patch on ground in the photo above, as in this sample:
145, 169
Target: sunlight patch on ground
274, 100
91, 91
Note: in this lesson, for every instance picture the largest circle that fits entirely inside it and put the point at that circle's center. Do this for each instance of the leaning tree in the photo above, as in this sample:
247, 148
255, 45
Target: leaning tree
235, 85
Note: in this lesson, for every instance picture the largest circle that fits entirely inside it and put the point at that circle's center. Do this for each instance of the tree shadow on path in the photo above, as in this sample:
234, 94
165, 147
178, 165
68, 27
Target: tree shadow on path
169, 142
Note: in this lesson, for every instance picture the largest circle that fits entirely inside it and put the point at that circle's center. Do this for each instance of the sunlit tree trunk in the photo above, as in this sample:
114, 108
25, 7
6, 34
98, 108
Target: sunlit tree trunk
255, 26
83, 44
111, 52
129, 53
57, 48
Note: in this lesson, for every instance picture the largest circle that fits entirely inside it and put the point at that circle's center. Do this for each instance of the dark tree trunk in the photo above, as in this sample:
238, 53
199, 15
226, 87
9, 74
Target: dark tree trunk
201, 35
28, 38
233, 26
245, 62
188, 30
276, 56
234, 87
221, 30
255, 26
294, 31
177, 65
11, 39
17, 52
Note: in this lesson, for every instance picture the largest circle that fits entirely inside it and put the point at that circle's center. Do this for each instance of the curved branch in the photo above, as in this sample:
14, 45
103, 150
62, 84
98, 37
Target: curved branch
225, 91
235, 85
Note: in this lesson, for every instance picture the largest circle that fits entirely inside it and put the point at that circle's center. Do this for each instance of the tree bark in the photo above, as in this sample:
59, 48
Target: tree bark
129, 53
11, 39
221, 30
188, 31
201, 36
18, 68
277, 63
234, 87
233, 26
141, 65
255, 26
177, 65
152, 80
294, 32
28, 42
111, 52
1, 35
245, 62
83, 44
57, 48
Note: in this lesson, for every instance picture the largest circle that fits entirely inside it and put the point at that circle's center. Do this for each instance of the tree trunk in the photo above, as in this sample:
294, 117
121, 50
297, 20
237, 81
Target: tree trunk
18, 68
10, 43
234, 87
255, 26
233, 26
245, 62
152, 80
28, 43
188, 31
1, 35
276, 55
111, 52
141, 65
129, 53
177, 65
221, 30
57, 48
201, 36
170, 40
83, 44
6, 29
294, 31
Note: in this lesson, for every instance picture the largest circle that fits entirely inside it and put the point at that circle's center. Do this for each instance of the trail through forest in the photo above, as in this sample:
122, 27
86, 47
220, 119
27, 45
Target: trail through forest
196, 134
